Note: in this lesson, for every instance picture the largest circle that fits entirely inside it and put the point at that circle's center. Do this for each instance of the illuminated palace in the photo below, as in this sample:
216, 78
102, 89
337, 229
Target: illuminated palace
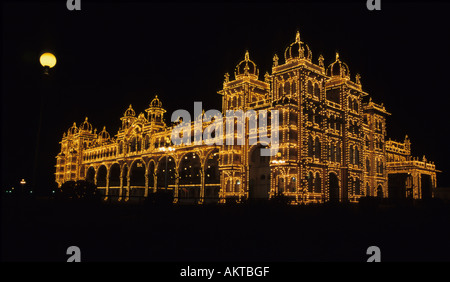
332, 144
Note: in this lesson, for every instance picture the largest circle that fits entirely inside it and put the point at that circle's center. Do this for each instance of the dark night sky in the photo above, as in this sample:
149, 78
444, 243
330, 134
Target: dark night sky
113, 54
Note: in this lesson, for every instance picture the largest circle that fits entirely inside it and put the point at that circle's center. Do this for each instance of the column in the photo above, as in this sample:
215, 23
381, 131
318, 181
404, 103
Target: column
127, 191
107, 188
202, 186
175, 189
120, 185
146, 184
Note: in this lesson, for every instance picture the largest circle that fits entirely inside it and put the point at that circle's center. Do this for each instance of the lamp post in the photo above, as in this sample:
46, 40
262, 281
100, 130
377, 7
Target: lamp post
48, 61
22, 184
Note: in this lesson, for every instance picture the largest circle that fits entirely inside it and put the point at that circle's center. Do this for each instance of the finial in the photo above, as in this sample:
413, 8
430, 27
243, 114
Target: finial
321, 59
74, 124
247, 56
337, 55
95, 130
358, 78
227, 77
104, 128
267, 77
275, 60
297, 37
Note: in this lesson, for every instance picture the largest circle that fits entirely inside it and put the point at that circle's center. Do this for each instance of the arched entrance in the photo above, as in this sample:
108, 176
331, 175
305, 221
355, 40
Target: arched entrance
190, 178
426, 186
333, 187
166, 163
114, 181
212, 177
90, 175
124, 193
151, 176
101, 176
137, 179
259, 173
379, 191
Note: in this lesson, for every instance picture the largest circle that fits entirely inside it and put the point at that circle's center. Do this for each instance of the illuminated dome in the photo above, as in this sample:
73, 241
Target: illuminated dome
73, 129
86, 126
155, 103
104, 134
297, 50
338, 68
130, 112
246, 68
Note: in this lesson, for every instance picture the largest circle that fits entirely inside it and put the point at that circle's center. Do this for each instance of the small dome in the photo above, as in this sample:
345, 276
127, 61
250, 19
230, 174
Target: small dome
130, 112
246, 67
104, 134
73, 129
156, 103
297, 50
338, 68
86, 126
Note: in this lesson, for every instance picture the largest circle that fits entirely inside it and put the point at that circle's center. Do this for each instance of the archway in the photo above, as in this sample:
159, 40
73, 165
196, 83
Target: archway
90, 175
212, 177
190, 177
333, 187
101, 176
426, 186
114, 180
151, 173
380, 191
259, 172
137, 179
317, 183
125, 175
168, 163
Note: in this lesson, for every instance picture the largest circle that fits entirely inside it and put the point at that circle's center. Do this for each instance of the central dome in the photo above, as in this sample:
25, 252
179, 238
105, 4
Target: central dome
246, 68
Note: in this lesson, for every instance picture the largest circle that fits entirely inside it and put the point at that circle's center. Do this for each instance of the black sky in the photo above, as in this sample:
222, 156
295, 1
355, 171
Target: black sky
114, 54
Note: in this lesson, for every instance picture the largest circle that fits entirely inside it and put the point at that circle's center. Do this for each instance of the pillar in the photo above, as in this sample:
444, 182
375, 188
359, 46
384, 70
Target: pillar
202, 186
175, 189
146, 184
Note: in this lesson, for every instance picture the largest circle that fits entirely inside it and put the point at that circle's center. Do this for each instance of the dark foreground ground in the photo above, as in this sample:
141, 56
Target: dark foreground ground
42, 230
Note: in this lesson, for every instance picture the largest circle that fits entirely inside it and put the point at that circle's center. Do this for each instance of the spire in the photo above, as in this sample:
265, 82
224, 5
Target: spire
247, 56
358, 79
275, 60
297, 37
227, 77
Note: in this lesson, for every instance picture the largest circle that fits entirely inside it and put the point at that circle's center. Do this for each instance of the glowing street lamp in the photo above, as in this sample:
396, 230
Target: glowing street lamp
48, 61
22, 183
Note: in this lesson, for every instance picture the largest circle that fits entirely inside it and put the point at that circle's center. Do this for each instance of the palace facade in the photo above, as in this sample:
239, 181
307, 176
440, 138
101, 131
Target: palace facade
332, 144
